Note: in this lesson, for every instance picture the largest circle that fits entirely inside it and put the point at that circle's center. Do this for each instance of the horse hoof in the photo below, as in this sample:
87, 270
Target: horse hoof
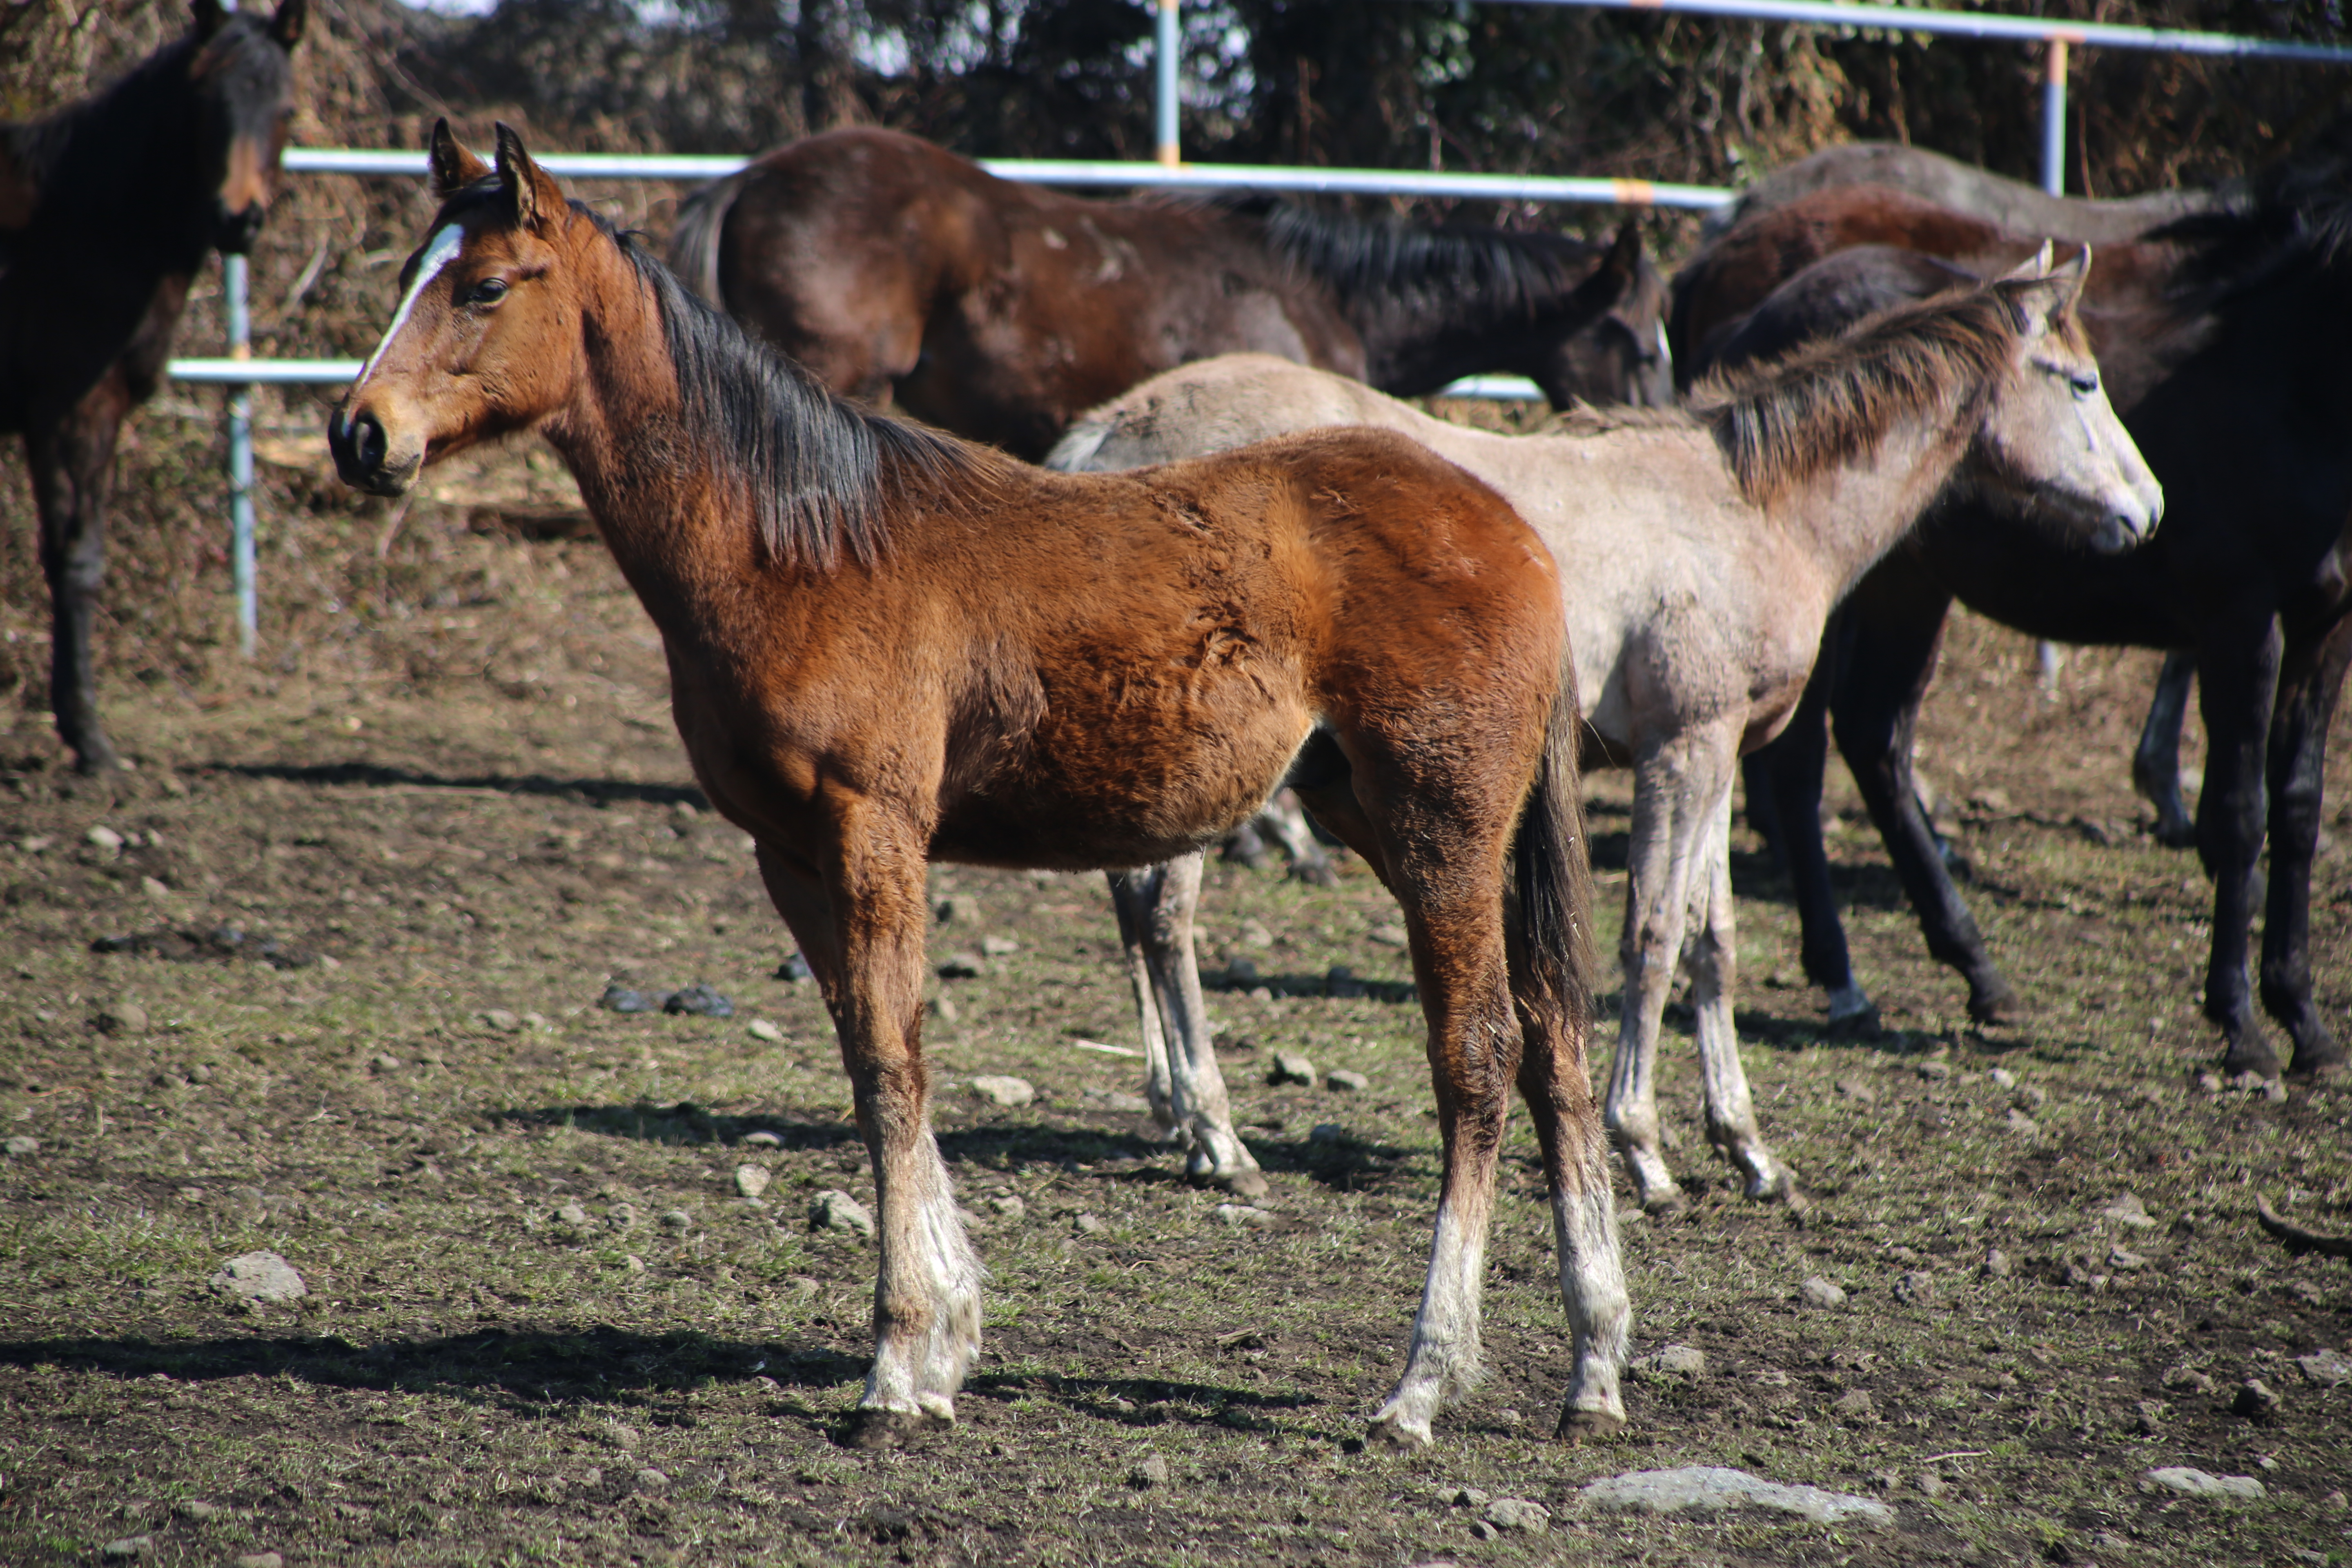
2313, 1066
1666, 1201
1394, 1437
2249, 1056
1863, 1024
1996, 1002
1242, 1183
875, 1428
1315, 875
1576, 1425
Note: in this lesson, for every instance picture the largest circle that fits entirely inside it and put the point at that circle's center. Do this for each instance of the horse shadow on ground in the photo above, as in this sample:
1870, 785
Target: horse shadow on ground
373, 775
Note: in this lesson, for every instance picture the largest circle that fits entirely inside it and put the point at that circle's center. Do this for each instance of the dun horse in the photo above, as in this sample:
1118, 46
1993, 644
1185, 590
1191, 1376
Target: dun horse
107, 208
2229, 335
1709, 550
887, 646
892, 267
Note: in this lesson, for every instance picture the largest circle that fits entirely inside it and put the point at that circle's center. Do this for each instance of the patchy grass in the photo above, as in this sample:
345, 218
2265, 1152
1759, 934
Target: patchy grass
480, 809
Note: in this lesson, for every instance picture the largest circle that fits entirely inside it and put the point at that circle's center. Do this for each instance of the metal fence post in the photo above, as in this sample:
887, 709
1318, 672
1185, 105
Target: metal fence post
2049, 654
240, 455
1169, 48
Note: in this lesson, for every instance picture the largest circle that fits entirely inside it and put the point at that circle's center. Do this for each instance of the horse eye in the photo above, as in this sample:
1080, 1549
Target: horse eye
489, 291
2084, 386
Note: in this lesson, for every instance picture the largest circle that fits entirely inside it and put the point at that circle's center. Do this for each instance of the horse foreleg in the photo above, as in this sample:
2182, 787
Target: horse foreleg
1712, 957
2156, 763
926, 1289
1676, 789
1559, 1092
2237, 678
72, 463
1130, 900
2310, 681
1164, 899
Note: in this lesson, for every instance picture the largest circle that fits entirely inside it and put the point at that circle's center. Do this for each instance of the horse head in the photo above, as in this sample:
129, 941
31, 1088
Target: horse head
1621, 356
476, 348
242, 79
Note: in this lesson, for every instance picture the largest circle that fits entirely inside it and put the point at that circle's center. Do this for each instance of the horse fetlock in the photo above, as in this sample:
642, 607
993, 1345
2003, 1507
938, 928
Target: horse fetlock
1993, 999
1851, 1008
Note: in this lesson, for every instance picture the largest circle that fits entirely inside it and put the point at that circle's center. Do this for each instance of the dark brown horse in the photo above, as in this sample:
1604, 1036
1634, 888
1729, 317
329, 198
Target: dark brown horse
889, 647
894, 268
106, 209
2227, 337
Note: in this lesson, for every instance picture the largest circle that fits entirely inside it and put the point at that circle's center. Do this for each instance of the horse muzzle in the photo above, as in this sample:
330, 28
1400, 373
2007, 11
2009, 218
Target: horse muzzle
363, 455
234, 231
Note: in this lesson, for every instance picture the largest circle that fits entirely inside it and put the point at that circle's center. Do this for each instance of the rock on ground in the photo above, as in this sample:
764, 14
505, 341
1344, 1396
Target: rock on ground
751, 1179
1518, 1513
1292, 1066
2325, 1367
1150, 1471
1673, 1361
1340, 1080
22, 1146
1818, 1292
999, 1088
761, 1029
1711, 1488
259, 1277
831, 1210
2197, 1483
2128, 1210
1243, 1214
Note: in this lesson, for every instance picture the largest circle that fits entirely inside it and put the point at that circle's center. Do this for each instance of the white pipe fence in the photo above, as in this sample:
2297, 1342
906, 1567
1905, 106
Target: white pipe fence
239, 373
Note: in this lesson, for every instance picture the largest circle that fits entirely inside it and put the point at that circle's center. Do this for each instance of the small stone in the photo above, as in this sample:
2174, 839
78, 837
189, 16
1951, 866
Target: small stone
2002, 1078
944, 1008
1253, 933
998, 1088
1671, 1360
197, 1511
2255, 1399
1935, 1072
259, 1277
2030, 1096
1818, 1292
1090, 1225
2189, 1380
1243, 1214
500, 1021
131, 1548
1858, 1090
677, 1220
999, 946
1856, 1405
2119, 1258
2327, 1368
633, 1263
1291, 1067
2197, 1483
2152, 1413
761, 1029
651, 1480
123, 1018
104, 837
763, 1139
261, 1560
1996, 1263
1930, 1483
1482, 1529
2024, 1126
621, 1436
1120, 1100
1241, 973
536, 1021
1711, 1489
2128, 1210
831, 1210
1326, 1133
619, 998
1917, 1287
1340, 1080
571, 1214
795, 971
22, 1146
1150, 1471
751, 1179
1470, 1496
1008, 1205
622, 1217
383, 1061
699, 1001
957, 909
1389, 935
962, 966
1519, 1514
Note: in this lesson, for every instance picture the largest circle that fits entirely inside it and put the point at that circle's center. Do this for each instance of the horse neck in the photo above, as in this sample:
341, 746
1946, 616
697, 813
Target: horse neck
120, 168
625, 437
1843, 518
1412, 348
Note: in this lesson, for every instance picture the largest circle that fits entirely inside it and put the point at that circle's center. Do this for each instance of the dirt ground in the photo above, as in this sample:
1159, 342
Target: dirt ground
448, 815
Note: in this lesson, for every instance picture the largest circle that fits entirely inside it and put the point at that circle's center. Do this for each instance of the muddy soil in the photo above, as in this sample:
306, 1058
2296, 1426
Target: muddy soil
378, 885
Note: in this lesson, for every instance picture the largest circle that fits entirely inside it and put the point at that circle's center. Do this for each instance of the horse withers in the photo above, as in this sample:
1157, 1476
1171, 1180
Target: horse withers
895, 271
108, 207
1709, 550
889, 647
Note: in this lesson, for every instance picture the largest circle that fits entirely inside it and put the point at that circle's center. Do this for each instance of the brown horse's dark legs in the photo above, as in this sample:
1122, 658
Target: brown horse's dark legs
71, 464
2238, 681
1883, 679
2309, 686
2156, 761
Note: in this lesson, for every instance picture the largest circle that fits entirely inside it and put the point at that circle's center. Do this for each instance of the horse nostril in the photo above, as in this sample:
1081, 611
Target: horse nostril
369, 443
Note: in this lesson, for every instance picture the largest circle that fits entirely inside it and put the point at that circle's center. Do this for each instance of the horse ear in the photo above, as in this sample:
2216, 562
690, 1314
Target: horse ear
1610, 282
286, 26
535, 195
2035, 266
209, 16
2044, 301
454, 168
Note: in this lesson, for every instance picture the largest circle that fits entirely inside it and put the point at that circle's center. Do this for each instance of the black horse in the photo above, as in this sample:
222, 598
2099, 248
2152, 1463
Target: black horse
106, 209
2236, 381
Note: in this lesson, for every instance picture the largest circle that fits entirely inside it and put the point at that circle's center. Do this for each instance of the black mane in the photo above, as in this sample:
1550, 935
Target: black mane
816, 471
2300, 212
1476, 274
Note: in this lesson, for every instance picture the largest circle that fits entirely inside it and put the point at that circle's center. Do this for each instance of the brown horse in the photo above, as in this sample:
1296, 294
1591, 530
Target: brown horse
893, 267
107, 208
889, 647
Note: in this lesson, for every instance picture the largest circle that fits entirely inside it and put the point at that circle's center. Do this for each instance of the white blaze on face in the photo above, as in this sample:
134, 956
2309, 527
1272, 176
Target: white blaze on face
439, 251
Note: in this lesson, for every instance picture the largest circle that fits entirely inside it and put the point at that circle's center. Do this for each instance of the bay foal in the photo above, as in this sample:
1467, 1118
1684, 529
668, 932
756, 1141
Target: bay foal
889, 647
1710, 550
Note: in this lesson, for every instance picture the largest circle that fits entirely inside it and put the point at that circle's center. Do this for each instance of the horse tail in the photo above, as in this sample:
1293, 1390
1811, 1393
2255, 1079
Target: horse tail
694, 243
1552, 877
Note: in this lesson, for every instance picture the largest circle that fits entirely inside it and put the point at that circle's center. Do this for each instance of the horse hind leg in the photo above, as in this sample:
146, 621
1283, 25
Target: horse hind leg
1131, 897
2156, 761
1711, 955
1286, 820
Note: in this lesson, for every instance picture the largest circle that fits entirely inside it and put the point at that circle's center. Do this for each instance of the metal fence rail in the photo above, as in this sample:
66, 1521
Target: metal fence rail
240, 372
